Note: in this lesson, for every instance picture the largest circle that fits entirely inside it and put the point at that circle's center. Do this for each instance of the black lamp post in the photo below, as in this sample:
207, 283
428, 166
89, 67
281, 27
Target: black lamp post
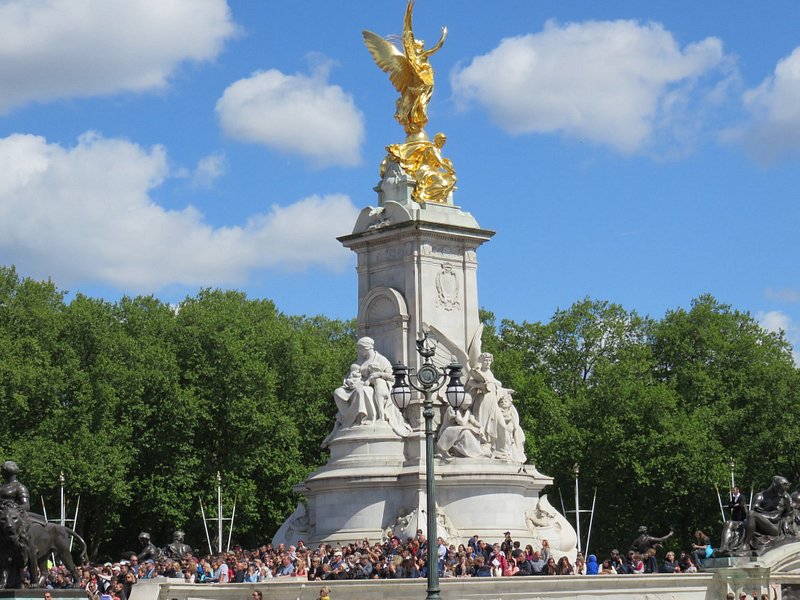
429, 379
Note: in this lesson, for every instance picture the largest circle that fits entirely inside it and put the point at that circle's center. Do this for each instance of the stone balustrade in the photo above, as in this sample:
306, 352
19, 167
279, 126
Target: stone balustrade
696, 586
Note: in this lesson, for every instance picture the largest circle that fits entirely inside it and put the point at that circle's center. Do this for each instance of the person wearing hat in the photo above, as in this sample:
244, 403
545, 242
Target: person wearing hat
150, 569
336, 561
364, 567
339, 569
508, 544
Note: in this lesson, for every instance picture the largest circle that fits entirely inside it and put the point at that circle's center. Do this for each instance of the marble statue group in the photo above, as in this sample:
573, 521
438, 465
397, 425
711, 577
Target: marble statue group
486, 425
495, 412
364, 398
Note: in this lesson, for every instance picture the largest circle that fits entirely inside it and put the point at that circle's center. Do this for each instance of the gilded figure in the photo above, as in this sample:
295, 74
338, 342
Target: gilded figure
435, 176
409, 71
412, 75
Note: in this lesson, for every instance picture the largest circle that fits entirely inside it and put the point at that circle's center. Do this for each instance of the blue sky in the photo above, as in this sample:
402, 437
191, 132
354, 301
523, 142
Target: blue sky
643, 153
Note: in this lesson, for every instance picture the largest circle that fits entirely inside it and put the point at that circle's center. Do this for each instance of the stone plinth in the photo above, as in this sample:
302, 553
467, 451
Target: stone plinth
365, 494
417, 264
374, 444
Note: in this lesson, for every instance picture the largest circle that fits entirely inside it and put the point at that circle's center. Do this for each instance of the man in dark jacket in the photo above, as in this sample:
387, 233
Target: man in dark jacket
737, 505
518, 556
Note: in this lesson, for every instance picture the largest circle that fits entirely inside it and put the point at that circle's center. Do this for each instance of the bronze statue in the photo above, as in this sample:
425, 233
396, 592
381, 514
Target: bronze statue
149, 550
177, 550
769, 522
27, 539
644, 542
16, 550
14, 490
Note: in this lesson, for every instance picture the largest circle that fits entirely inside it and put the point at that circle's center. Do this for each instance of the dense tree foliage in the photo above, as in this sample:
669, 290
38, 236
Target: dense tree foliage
141, 403
652, 411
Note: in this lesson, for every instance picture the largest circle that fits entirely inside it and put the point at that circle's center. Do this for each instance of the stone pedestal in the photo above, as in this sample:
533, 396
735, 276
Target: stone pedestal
417, 265
368, 495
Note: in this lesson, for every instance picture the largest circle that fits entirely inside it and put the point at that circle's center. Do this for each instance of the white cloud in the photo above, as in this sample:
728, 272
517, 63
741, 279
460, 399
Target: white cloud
298, 114
62, 48
774, 128
208, 170
609, 82
776, 321
84, 215
788, 295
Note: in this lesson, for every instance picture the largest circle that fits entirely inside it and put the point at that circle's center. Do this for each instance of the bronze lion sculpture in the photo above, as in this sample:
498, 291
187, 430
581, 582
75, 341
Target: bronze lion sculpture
26, 543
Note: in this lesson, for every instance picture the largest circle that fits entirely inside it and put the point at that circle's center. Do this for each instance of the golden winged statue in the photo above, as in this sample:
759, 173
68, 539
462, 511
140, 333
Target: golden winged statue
412, 75
409, 71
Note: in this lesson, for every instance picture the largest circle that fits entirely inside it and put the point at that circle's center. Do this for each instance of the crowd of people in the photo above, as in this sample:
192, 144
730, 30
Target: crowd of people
392, 558
362, 559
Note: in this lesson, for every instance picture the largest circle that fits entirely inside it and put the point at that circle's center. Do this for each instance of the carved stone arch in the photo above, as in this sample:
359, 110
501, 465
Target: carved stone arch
383, 316
784, 559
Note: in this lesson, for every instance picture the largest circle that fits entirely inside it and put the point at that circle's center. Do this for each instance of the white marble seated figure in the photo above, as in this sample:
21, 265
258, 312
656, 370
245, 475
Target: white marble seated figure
461, 434
354, 399
364, 398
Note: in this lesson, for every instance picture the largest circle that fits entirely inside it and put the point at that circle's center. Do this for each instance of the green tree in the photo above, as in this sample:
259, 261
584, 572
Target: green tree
651, 410
738, 380
140, 403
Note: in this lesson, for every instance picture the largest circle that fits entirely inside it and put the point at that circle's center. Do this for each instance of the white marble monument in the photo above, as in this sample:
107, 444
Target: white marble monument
417, 273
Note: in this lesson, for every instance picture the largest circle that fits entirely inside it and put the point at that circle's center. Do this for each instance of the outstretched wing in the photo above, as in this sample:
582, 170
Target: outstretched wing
408, 30
391, 61
474, 349
446, 349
